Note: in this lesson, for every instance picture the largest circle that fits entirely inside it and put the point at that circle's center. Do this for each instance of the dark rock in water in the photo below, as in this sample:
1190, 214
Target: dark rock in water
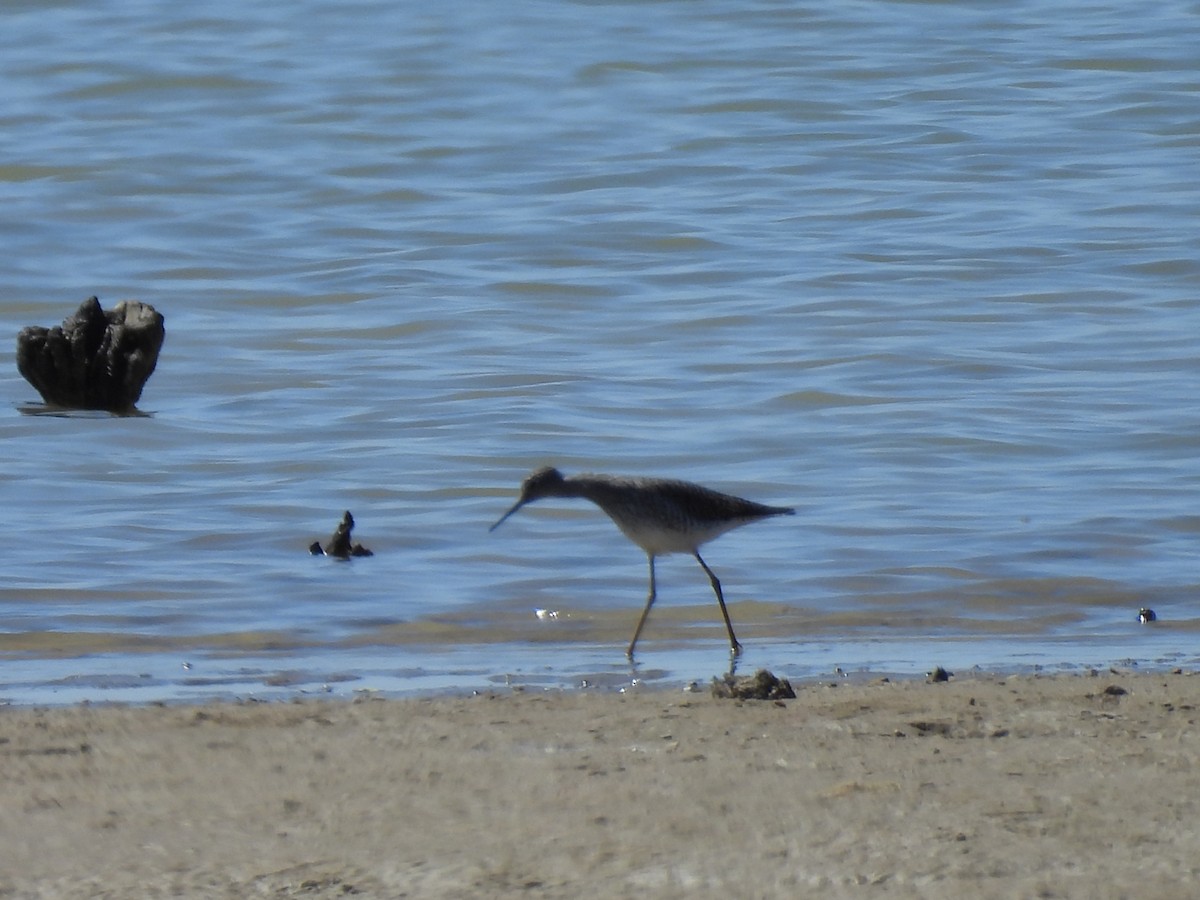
762, 685
1146, 614
95, 359
339, 544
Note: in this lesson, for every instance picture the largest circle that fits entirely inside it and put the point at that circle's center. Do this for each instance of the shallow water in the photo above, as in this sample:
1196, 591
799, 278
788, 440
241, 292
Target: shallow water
928, 273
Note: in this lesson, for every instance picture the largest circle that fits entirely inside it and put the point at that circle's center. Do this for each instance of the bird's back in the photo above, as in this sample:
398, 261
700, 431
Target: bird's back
663, 515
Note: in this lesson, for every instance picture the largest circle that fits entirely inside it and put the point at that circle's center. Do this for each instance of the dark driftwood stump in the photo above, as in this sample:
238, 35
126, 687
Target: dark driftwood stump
95, 359
339, 545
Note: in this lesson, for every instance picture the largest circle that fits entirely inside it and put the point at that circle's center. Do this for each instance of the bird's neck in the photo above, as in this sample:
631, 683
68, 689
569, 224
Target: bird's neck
577, 486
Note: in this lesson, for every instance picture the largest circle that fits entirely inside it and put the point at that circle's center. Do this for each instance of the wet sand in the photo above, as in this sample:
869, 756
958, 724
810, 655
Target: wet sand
1058, 786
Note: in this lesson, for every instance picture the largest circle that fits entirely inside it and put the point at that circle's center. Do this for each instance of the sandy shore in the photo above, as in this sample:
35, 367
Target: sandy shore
1064, 786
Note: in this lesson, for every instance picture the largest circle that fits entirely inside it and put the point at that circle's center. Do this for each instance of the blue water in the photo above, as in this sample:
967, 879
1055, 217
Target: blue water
928, 272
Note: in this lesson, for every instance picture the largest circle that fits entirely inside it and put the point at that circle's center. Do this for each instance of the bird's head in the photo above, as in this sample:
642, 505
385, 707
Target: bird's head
545, 482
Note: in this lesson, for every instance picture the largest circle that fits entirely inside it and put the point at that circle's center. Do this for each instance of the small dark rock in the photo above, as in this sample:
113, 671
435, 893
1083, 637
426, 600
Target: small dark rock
95, 359
938, 675
762, 685
339, 544
1146, 614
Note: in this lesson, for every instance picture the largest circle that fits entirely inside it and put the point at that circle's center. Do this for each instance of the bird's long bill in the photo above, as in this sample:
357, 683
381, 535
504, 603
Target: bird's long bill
500, 521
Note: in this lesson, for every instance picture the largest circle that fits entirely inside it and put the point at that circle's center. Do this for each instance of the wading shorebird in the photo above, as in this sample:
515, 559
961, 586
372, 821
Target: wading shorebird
660, 515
